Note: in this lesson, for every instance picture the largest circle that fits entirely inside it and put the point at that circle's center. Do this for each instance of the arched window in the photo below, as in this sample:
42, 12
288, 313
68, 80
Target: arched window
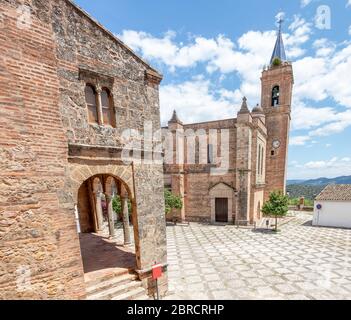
262, 160
259, 161
275, 96
107, 108
90, 98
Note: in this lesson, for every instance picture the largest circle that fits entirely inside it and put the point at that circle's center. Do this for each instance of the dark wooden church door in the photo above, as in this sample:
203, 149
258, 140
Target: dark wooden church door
221, 209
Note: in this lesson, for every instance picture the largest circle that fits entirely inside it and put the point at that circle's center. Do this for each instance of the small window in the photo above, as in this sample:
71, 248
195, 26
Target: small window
90, 98
107, 109
272, 153
275, 96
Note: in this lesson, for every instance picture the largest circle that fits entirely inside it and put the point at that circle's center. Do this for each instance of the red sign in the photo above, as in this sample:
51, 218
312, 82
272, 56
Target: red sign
157, 271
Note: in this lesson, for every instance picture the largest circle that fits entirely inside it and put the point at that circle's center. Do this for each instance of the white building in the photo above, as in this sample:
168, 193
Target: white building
332, 207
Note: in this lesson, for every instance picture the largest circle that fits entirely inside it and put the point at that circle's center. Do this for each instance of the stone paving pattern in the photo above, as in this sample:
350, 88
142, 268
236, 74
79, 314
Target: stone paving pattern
224, 262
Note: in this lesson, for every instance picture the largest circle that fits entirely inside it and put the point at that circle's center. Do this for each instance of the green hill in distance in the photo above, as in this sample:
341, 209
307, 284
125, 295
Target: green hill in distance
322, 181
311, 188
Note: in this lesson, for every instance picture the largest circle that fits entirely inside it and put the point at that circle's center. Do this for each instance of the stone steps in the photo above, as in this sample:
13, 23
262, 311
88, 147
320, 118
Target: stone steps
95, 278
110, 283
123, 286
134, 294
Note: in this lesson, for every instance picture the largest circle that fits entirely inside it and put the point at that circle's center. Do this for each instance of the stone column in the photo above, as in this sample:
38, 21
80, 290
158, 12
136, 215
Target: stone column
244, 163
125, 215
99, 215
111, 223
99, 105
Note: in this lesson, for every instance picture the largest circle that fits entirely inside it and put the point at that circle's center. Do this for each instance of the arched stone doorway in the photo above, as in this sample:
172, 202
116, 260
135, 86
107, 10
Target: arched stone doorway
143, 185
105, 235
222, 201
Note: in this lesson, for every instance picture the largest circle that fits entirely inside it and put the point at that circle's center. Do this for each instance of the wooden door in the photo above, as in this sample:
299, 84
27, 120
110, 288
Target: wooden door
221, 209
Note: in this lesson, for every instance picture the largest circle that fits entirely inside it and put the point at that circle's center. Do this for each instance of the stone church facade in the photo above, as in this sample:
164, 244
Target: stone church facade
68, 89
256, 155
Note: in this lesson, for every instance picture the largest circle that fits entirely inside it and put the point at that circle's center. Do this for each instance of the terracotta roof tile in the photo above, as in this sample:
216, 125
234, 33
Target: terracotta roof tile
336, 192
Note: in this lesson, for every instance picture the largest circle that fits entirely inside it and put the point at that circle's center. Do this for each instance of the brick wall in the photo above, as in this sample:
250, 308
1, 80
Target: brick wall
39, 248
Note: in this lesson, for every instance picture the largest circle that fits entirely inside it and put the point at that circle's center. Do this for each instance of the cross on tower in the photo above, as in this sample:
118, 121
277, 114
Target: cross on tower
280, 23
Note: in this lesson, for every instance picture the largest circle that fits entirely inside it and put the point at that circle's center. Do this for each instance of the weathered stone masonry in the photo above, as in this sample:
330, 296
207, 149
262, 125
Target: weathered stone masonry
47, 142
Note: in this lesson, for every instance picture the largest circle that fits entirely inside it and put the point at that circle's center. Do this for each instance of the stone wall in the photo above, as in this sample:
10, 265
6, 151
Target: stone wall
151, 226
87, 52
84, 207
39, 247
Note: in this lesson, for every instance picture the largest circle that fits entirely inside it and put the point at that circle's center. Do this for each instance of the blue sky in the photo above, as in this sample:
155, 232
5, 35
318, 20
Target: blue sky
212, 52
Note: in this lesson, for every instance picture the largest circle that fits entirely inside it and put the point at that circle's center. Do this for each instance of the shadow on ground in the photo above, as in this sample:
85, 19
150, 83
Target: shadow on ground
307, 224
100, 253
262, 230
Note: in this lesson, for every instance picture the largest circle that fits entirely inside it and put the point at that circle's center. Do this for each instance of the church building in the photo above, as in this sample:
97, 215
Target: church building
257, 154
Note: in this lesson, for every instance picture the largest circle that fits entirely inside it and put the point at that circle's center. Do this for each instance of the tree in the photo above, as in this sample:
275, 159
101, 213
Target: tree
172, 201
277, 206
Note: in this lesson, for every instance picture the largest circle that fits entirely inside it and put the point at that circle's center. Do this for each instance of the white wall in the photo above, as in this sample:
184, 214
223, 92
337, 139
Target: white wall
332, 214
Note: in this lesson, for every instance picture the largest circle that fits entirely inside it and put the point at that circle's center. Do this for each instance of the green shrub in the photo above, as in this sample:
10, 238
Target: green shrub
277, 62
117, 205
172, 201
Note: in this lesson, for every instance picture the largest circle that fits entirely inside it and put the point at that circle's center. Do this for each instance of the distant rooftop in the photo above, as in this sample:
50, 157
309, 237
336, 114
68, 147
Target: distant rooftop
335, 192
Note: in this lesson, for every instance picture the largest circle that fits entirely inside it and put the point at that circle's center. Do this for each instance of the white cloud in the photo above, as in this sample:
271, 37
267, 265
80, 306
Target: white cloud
196, 100
324, 47
322, 164
299, 140
168, 52
304, 117
245, 57
341, 121
317, 76
305, 3
348, 4
320, 168
322, 122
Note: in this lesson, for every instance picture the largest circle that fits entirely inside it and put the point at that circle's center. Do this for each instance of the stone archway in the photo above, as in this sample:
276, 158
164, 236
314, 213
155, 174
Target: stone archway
79, 173
222, 191
102, 245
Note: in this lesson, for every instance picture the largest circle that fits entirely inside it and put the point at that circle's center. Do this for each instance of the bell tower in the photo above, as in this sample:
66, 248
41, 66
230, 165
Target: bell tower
277, 86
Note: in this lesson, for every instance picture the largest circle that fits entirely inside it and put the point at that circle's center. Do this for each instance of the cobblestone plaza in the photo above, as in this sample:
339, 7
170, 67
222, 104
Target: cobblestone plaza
224, 262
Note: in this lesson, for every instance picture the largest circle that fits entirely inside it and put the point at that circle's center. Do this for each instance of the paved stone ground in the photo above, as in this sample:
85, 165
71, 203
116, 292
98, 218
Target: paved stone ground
103, 256
223, 262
